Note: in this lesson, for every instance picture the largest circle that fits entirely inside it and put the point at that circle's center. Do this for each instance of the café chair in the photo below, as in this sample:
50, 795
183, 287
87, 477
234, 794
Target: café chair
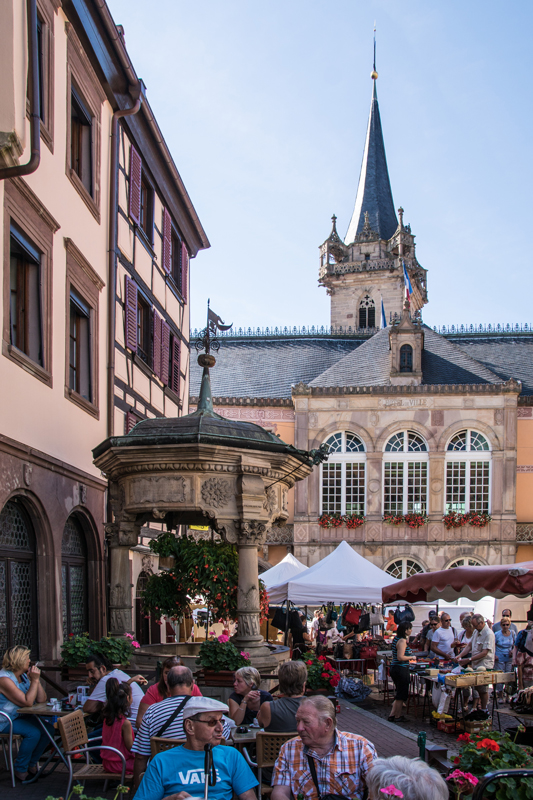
7, 738
158, 744
267, 747
75, 742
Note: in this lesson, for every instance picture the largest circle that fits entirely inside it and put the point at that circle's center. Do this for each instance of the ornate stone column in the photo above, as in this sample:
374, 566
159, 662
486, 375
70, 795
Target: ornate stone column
122, 536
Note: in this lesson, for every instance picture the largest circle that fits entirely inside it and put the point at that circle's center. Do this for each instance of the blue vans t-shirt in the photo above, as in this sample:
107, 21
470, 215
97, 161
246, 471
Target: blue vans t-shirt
181, 770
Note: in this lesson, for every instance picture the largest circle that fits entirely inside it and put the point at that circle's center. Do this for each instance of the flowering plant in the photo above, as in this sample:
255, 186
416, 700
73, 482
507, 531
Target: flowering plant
263, 602
391, 791
465, 782
455, 520
320, 673
116, 649
412, 520
337, 520
488, 751
219, 653
79, 791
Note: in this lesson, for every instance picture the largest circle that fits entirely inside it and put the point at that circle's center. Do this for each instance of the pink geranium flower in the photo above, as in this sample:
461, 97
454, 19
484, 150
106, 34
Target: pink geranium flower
391, 791
465, 781
223, 639
244, 654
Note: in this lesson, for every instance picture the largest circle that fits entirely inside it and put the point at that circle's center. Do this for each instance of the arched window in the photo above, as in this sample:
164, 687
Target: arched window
367, 312
468, 473
406, 358
403, 568
343, 475
18, 607
74, 578
465, 562
405, 474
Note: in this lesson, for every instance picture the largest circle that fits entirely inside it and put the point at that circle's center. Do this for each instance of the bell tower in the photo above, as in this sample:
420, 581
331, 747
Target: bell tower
367, 268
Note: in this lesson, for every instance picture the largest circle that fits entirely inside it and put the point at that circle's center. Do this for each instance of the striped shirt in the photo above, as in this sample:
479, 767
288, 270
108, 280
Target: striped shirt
341, 771
154, 719
408, 652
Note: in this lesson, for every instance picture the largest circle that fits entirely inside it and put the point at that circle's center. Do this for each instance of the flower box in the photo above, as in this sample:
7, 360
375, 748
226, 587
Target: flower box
222, 677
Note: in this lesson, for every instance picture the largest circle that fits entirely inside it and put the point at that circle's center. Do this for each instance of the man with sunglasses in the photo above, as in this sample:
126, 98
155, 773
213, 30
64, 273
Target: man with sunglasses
444, 638
179, 773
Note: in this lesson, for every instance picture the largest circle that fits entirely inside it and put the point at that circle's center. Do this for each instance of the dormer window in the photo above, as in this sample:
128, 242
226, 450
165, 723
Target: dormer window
406, 358
367, 313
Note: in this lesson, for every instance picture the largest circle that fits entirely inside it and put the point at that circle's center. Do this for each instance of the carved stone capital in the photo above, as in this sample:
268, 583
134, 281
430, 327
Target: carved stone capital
250, 532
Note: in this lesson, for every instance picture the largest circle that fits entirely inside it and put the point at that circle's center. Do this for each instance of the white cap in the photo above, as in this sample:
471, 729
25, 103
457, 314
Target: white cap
198, 705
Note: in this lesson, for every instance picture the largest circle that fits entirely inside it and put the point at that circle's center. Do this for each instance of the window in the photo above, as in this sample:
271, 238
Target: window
73, 579
80, 347
367, 313
405, 476
403, 568
25, 296
143, 329
464, 562
81, 141
40, 68
176, 259
468, 473
406, 358
343, 475
174, 364
147, 204
45, 70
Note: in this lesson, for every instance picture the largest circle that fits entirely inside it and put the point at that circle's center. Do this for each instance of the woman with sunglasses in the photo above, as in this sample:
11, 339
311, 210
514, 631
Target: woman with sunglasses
504, 641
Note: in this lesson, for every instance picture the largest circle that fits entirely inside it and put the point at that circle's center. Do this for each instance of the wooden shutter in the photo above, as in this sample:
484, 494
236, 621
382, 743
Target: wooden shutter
156, 344
175, 366
131, 420
167, 241
135, 186
184, 270
130, 305
165, 352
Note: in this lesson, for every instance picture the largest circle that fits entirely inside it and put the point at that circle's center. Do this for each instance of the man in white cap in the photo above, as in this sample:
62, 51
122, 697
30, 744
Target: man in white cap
179, 773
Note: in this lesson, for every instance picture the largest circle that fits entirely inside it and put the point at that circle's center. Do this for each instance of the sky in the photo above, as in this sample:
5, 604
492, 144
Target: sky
264, 106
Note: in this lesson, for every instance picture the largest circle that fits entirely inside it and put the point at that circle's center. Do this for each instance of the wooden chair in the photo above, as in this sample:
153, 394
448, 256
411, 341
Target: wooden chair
7, 740
267, 747
158, 744
75, 742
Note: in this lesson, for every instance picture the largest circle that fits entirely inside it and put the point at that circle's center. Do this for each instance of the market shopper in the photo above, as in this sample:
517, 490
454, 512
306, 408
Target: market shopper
341, 760
504, 644
399, 670
444, 638
479, 653
523, 660
415, 779
505, 613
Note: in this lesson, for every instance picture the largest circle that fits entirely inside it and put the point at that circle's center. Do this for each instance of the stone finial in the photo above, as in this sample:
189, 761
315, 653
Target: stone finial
400, 215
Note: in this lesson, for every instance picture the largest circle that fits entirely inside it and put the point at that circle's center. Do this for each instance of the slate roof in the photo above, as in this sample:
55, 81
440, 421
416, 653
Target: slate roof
507, 356
374, 192
268, 367
443, 362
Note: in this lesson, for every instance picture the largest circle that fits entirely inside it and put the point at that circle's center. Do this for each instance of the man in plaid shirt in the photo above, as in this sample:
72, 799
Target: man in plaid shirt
342, 760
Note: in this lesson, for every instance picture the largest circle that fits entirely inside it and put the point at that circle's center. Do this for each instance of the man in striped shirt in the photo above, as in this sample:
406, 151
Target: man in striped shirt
341, 760
180, 684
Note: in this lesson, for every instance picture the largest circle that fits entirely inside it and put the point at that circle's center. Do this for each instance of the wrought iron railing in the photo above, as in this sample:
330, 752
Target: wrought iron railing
326, 330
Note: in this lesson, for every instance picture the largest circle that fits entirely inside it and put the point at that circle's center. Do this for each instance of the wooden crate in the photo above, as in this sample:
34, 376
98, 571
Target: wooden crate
450, 727
484, 678
478, 726
460, 680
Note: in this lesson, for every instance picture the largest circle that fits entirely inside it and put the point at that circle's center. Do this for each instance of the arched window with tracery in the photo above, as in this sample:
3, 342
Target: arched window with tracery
405, 474
74, 578
367, 312
465, 562
403, 568
18, 585
343, 475
468, 458
406, 358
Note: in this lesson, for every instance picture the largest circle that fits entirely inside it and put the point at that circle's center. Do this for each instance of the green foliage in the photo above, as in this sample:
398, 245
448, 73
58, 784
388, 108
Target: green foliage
118, 650
320, 673
479, 755
205, 567
79, 791
219, 653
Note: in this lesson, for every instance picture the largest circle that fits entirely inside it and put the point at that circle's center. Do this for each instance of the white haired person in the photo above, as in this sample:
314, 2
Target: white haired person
246, 700
414, 779
179, 772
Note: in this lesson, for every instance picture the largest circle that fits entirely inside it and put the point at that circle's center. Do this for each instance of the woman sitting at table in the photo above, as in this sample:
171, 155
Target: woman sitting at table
280, 714
159, 691
20, 687
399, 669
246, 700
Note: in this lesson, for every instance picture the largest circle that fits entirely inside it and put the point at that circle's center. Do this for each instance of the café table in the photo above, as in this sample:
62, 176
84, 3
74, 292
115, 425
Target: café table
40, 711
240, 740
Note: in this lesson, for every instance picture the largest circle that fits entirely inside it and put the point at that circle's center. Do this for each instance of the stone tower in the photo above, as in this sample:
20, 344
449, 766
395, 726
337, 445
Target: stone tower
368, 265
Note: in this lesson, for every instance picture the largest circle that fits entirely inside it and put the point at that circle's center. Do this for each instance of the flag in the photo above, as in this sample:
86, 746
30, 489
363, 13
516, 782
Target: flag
214, 322
407, 282
383, 317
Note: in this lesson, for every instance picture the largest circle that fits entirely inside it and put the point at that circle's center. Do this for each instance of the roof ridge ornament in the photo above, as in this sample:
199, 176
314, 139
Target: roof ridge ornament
208, 341
374, 74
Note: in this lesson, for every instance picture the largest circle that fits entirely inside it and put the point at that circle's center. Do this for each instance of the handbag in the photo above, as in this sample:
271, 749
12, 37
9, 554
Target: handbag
351, 615
279, 620
404, 615
327, 796
364, 623
369, 652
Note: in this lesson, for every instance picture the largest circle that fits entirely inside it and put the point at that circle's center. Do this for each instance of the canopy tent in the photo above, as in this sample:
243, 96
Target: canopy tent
470, 582
342, 577
286, 569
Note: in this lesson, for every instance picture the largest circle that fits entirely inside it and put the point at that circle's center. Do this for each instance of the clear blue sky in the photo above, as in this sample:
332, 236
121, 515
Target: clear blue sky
264, 106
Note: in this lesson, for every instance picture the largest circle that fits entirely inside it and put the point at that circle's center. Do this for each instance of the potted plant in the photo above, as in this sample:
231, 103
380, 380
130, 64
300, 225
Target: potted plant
220, 658
75, 649
488, 751
322, 678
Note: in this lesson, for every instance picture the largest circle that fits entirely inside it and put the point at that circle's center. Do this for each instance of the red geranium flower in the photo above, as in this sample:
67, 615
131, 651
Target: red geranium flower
325, 676
456, 760
309, 663
321, 658
488, 744
464, 737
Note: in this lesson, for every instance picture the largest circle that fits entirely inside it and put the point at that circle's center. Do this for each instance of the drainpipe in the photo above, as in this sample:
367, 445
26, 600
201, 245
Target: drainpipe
136, 91
35, 120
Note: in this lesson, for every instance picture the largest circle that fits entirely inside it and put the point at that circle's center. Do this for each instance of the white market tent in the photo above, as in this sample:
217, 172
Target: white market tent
288, 568
342, 577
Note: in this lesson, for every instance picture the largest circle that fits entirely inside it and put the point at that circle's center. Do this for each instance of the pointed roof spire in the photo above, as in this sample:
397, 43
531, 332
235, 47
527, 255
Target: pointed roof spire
374, 194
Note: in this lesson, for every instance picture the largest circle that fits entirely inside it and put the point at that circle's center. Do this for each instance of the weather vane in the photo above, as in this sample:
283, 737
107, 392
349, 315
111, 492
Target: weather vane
208, 340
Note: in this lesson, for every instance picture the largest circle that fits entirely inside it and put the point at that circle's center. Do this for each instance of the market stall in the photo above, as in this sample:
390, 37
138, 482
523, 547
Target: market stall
287, 568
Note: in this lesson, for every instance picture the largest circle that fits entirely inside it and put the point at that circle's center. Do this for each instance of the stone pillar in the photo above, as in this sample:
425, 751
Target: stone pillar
250, 535
123, 536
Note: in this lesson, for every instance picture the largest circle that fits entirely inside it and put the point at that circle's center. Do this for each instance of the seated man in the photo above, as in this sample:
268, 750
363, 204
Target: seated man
339, 760
99, 670
179, 772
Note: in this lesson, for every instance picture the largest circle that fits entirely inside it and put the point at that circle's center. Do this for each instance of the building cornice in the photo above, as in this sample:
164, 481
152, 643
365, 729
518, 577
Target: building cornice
506, 387
282, 402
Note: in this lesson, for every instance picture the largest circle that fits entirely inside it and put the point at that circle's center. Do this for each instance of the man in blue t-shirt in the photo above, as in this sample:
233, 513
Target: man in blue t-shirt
179, 773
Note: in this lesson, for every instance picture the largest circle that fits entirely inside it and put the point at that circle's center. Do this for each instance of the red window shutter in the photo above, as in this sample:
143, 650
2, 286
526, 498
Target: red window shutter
135, 186
156, 344
184, 270
175, 377
131, 420
167, 241
131, 315
165, 351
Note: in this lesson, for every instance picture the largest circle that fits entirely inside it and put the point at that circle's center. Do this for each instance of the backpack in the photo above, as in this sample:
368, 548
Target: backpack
520, 642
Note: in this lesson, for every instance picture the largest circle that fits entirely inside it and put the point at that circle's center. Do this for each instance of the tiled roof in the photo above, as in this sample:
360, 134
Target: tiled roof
507, 356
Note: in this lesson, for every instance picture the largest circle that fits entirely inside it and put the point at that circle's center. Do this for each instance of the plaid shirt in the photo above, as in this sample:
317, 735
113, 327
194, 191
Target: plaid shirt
341, 771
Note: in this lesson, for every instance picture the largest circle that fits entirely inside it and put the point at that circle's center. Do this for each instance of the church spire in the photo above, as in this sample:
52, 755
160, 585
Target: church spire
374, 193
